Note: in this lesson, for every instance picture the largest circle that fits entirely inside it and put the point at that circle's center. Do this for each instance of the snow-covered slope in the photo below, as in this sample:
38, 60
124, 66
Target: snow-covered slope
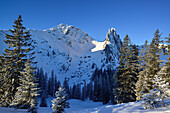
78, 106
69, 51
131, 107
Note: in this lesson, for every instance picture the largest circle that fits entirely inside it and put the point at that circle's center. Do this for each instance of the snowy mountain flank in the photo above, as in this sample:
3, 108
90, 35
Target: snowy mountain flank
70, 52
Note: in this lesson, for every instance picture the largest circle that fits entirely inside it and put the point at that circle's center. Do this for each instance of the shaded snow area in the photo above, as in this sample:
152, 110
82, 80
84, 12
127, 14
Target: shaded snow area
78, 106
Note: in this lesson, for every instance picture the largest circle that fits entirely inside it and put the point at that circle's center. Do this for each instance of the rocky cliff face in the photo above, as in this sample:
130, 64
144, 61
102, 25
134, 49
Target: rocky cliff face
70, 52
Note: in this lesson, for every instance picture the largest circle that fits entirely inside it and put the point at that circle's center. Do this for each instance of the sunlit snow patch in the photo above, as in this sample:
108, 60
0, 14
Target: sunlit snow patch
99, 45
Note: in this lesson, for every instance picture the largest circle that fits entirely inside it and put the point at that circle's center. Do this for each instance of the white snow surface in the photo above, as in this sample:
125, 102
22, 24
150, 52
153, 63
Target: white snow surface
78, 106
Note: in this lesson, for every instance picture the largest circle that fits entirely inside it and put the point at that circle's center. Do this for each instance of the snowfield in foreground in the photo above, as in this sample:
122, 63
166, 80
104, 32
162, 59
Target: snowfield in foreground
78, 106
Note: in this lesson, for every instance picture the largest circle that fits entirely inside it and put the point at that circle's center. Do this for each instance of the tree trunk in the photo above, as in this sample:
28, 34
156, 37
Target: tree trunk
163, 102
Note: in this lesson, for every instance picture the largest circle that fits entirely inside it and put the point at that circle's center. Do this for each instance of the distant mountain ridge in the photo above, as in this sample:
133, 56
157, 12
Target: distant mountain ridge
70, 52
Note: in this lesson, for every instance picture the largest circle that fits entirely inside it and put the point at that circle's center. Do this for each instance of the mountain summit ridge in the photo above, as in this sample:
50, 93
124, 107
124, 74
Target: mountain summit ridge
70, 52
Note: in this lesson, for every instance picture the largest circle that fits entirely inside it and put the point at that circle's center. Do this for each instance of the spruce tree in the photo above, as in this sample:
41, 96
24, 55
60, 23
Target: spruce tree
77, 93
90, 90
105, 89
45, 85
141, 84
52, 83
26, 94
60, 102
95, 99
167, 64
127, 73
55, 84
153, 62
16, 55
163, 76
120, 69
1, 77
84, 92
66, 87
43, 102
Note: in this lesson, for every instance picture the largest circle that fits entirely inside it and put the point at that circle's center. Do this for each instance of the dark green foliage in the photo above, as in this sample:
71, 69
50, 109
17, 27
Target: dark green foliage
84, 92
153, 61
100, 87
15, 56
141, 84
168, 61
90, 90
153, 73
53, 84
26, 94
2, 90
66, 87
43, 102
127, 72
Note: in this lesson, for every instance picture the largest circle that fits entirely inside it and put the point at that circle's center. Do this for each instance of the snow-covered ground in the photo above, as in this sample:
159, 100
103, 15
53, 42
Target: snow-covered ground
78, 106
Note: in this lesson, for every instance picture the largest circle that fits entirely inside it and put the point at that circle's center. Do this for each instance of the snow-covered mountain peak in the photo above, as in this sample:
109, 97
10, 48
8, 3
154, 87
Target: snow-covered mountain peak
56, 27
69, 34
70, 52
112, 36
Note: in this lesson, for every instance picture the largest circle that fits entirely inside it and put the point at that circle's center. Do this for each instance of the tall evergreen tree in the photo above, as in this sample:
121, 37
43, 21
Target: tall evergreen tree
66, 87
1, 77
120, 69
84, 92
40, 79
141, 84
105, 89
163, 76
90, 91
153, 61
52, 83
45, 84
167, 64
16, 55
56, 86
96, 90
127, 73
43, 102
77, 93
26, 94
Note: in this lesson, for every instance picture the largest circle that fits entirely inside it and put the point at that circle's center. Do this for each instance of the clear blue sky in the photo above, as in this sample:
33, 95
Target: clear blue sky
137, 18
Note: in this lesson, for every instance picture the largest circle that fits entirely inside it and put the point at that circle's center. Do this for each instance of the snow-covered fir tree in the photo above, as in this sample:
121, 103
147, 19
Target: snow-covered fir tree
15, 56
150, 100
60, 102
161, 86
162, 77
26, 94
